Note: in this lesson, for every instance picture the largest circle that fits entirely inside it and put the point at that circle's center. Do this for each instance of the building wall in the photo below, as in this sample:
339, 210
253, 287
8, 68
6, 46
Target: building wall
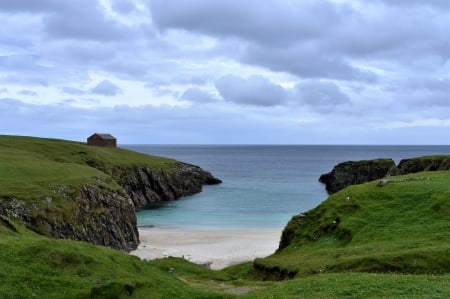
98, 141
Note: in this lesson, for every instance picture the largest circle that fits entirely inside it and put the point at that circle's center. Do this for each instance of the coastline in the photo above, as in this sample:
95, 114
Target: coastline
214, 248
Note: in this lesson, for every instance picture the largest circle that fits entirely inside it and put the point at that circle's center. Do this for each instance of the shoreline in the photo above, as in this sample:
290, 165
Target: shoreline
214, 248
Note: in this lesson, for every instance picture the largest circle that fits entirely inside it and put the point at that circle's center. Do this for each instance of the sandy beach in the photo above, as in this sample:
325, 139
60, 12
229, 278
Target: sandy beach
216, 248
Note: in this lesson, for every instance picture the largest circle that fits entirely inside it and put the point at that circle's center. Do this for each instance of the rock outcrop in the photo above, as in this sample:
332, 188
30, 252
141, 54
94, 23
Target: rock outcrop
88, 193
147, 187
428, 163
355, 172
92, 213
358, 172
103, 215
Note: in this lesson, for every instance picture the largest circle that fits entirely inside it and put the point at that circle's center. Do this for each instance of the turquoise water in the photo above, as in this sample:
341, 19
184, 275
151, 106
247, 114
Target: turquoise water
263, 186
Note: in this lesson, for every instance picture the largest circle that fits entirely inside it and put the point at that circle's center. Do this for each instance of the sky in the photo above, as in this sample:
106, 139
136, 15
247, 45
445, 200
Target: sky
227, 71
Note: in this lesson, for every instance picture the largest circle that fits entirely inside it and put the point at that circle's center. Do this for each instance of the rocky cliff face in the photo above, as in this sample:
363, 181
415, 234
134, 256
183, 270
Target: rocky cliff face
104, 215
94, 214
430, 163
358, 172
355, 172
146, 187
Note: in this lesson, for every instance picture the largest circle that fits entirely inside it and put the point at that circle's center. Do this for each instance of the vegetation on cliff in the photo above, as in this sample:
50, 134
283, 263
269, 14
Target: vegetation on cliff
398, 226
67, 189
358, 172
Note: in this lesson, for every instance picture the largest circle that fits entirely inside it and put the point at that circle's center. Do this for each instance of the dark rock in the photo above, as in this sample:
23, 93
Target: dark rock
147, 187
356, 172
351, 172
428, 163
102, 216
94, 214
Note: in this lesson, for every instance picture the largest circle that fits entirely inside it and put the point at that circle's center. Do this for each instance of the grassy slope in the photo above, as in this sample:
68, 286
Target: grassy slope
401, 227
31, 168
33, 266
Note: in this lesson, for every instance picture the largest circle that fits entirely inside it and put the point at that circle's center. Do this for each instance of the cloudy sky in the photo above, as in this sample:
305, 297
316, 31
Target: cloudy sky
227, 71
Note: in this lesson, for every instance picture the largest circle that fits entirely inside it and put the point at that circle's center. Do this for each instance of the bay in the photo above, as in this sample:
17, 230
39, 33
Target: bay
263, 185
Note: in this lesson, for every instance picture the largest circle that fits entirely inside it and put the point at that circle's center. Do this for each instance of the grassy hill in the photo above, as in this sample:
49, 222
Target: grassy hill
388, 240
32, 168
402, 226
33, 266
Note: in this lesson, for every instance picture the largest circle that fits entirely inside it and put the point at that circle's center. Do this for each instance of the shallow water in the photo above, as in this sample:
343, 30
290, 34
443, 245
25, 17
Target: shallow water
263, 185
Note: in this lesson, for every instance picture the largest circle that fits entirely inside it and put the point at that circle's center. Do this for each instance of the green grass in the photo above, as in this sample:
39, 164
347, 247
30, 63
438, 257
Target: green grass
33, 266
358, 285
31, 169
401, 227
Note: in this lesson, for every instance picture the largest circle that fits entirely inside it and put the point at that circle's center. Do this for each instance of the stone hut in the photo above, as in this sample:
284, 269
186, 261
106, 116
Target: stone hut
105, 140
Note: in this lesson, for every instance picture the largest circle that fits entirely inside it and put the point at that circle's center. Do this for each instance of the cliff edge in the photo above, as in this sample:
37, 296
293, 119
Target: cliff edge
69, 190
358, 172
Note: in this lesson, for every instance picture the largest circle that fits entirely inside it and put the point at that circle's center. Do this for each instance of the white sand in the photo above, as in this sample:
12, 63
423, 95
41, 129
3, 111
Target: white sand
218, 248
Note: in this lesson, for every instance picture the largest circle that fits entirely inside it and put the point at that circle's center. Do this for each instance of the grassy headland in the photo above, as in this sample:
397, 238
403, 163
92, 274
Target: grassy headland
402, 226
33, 168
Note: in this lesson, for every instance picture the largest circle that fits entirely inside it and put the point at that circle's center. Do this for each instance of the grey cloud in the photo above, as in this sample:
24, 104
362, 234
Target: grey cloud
123, 6
82, 19
20, 62
402, 34
106, 88
433, 3
3, 90
255, 90
430, 84
30, 5
306, 62
27, 92
28, 80
268, 22
85, 21
322, 96
196, 95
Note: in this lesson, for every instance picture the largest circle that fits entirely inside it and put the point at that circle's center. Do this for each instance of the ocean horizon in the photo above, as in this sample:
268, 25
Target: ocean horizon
263, 185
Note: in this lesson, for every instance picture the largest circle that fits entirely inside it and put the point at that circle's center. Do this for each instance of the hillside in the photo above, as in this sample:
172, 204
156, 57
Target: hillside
396, 225
69, 190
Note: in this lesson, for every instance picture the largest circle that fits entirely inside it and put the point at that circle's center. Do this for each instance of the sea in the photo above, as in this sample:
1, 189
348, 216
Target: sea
263, 185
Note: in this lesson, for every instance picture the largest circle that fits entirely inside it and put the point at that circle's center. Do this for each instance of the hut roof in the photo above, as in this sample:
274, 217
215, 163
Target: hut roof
104, 136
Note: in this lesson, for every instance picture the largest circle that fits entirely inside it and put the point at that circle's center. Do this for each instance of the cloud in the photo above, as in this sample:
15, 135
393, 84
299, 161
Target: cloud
3, 90
106, 88
269, 22
196, 95
123, 6
27, 92
255, 90
323, 96
72, 90
425, 123
306, 62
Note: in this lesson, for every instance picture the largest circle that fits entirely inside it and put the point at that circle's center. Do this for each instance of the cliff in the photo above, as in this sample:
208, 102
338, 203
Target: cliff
357, 172
69, 190
399, 227
145, 186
